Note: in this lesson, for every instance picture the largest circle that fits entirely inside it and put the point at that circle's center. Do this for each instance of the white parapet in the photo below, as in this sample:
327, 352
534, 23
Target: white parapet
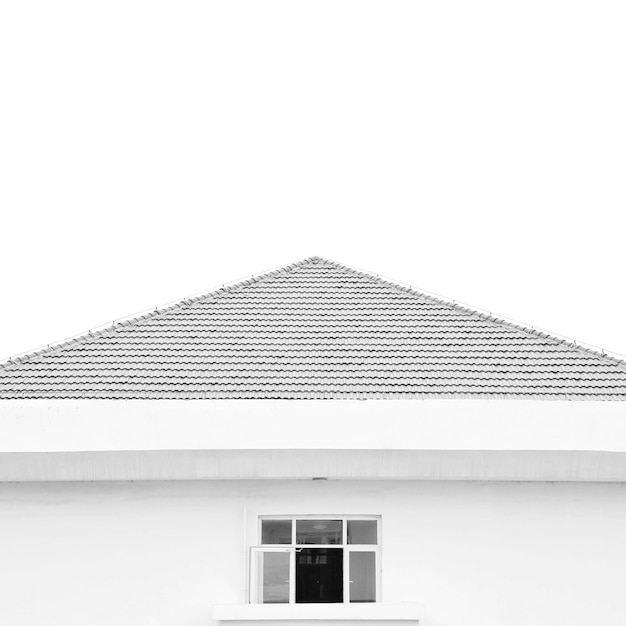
341, 439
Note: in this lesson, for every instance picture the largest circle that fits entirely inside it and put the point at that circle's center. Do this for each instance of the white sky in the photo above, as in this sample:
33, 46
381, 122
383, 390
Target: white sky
151, 150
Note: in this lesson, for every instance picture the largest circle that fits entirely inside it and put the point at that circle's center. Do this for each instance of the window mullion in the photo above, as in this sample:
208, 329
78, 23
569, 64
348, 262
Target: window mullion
292, 577
346, 562
379, 577
292, 564
346, 574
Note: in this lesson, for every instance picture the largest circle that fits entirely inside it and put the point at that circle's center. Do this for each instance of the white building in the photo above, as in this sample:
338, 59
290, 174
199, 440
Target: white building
313, 444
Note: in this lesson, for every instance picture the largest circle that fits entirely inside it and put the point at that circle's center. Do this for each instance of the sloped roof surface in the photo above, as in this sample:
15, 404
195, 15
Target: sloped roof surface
316, 329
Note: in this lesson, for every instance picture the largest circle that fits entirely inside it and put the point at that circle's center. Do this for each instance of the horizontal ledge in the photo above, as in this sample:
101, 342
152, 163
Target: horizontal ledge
327, 612
306, 464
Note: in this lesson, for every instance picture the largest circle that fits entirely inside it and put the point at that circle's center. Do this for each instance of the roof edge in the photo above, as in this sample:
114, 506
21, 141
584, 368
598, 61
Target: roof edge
107, 329
468, 309
83, 337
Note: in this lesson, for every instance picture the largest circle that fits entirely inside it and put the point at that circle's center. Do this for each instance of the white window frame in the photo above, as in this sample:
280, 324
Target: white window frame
293, 548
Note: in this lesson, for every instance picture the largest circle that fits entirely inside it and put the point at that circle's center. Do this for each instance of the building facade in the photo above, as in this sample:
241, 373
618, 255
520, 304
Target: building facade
313, 444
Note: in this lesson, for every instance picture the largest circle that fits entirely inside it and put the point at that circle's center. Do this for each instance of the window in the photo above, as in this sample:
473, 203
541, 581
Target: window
316, 559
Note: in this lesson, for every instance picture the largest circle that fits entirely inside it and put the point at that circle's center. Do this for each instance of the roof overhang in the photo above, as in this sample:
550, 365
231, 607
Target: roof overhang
333, 439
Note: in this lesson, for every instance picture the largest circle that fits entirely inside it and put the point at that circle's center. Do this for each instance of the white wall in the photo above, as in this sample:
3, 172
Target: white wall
109, 425
429, 439
163, 553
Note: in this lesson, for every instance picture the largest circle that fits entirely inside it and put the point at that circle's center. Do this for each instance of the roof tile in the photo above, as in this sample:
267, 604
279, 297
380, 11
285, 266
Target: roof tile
315, 330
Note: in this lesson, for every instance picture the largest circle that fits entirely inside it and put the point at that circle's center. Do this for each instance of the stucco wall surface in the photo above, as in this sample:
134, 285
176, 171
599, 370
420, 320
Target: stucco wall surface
117, 425
425, 439
164, 553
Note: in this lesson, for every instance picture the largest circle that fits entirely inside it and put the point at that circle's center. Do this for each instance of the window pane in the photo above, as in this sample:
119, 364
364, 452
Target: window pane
321, 531
276, 531
319, 575
362, 577
362, 531
273, 577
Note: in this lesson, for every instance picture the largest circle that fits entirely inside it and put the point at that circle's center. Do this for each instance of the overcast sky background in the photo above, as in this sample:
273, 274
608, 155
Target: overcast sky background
152, 150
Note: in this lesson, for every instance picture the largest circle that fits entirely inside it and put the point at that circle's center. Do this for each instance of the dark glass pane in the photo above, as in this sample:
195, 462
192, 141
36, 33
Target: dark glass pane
319, 575
322, 531
275, 531
362, 531
274, 579
362, 577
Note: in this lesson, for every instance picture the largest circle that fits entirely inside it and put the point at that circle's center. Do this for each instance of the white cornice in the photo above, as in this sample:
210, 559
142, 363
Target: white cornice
260, 439
110, 425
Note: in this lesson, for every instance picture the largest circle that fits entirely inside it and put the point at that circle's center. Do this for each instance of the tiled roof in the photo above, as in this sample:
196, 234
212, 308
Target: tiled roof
316, 329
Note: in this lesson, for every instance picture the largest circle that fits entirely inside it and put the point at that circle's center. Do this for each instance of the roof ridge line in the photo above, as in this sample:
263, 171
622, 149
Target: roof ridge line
84, 337
134, 318
473, 311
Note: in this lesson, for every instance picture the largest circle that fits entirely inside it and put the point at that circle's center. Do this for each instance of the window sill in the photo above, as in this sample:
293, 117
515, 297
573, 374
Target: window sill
375, 611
